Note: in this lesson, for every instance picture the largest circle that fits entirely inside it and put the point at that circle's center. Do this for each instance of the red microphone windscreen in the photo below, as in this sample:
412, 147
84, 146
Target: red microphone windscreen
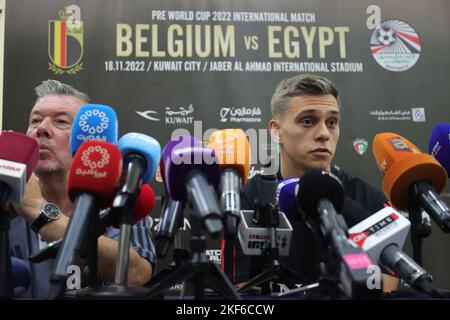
144, 203
95, 169
17, 147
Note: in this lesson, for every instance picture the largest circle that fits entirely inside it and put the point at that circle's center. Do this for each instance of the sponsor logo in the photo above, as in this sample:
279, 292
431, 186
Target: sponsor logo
172, 117
398, 144
9, 168
418, 114
214, 255
65, 41
148, 115
378, 228
240, 114
261, 241
395, 45
360, 146
94, 158
93, 122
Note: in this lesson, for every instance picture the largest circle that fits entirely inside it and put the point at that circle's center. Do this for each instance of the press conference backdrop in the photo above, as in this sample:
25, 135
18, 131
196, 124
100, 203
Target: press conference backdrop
167, 64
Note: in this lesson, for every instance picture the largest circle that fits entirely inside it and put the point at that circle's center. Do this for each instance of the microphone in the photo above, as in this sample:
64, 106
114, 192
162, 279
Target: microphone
172, 211
320, 195
48, 252
439, 145
382, 235
410, 175
141, 155
286, 193
286, 197
192, 174
20, 276
94, 122
18, 157
233, 151
93, 176
144, 205
170, 221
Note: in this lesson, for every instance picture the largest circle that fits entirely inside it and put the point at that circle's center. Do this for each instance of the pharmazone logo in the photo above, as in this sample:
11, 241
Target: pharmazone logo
93, 122
94, 159
360, 146
395, 45
65, 41
240, 114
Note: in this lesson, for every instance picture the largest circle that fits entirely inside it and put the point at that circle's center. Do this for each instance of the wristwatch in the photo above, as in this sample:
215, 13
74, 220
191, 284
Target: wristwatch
49, 212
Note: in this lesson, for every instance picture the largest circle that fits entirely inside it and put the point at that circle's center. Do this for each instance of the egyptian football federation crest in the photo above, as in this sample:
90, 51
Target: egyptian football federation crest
65, 42
395, 45
360, 146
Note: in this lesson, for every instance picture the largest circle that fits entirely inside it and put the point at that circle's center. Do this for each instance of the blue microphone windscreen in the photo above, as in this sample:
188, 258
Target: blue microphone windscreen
145, 146
94, 122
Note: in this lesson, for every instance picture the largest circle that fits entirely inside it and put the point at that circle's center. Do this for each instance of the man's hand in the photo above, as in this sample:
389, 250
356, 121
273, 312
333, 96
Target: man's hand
32, 201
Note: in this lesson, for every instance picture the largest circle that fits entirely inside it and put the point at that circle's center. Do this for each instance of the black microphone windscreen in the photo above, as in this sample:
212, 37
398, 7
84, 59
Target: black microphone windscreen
315, 185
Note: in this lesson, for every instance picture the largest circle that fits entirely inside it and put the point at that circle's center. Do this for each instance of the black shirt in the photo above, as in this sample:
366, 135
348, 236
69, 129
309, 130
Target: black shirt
305, 252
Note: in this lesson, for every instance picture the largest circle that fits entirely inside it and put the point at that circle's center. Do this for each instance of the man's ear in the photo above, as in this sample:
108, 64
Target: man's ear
274, 129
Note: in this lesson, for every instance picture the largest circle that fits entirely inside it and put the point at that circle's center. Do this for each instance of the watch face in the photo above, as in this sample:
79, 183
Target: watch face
51, 211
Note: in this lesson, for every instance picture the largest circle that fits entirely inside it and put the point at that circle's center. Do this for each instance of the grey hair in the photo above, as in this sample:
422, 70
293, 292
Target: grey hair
54, 87
300, 85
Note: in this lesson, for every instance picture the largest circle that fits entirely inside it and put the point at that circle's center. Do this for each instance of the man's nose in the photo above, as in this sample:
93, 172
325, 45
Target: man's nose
322, 132
44, 128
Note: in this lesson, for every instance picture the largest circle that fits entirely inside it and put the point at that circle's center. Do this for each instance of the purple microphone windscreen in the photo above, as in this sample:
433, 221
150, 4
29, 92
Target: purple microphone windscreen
439, 145
185, 157
167, 150
20, 273
286, 197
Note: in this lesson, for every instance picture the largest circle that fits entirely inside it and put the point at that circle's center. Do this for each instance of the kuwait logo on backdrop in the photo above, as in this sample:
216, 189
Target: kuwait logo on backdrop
360, 146
395, 45
65, 41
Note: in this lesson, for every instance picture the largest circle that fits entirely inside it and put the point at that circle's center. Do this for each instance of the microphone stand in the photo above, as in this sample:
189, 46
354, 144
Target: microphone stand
199, 271
231, 207
85, 246
267, 216
121, 208
419, 229
6, 286
180, 256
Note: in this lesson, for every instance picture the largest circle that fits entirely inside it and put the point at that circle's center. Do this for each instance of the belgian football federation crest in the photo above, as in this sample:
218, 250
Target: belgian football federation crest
360, 146
65, 41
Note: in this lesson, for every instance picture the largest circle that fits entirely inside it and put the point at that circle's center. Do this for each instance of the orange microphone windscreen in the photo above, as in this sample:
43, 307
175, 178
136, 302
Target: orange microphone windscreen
402, 164
389, 147
232, 149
